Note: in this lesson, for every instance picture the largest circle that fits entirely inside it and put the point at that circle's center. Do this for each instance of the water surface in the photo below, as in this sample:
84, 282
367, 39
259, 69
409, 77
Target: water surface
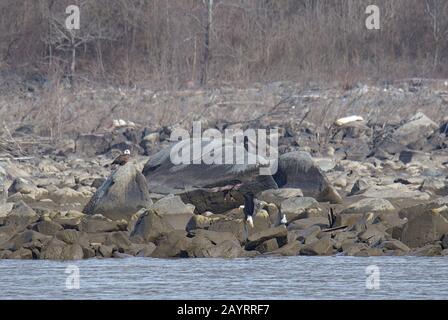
260, 278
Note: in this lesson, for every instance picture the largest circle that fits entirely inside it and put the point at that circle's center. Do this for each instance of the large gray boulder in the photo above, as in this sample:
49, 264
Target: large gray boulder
149, 227
219, 187
412, 135
174, 211
427, 223
122, 195
209, 187
298, 170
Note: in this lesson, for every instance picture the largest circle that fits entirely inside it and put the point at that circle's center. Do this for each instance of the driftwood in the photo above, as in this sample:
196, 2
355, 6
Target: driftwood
335, 229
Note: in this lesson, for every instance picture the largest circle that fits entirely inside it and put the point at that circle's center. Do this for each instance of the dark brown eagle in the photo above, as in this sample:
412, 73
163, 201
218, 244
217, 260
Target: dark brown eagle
122, 159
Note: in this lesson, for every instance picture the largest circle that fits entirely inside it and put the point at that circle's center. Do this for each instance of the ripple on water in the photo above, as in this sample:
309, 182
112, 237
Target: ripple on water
260, 278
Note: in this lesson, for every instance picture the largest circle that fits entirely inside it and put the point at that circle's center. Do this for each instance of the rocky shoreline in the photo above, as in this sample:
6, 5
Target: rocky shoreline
386, 185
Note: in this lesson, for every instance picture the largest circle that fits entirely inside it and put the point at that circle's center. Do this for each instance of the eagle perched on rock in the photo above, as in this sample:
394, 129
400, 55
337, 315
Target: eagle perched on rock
122, 159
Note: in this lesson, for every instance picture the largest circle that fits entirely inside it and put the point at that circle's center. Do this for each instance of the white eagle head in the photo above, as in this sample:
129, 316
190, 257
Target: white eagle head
127, 152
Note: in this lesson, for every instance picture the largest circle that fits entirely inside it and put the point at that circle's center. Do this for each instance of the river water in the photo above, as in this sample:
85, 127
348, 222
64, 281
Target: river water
260, 278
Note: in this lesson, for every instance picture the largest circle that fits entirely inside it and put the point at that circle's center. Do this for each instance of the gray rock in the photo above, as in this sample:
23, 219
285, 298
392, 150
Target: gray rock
374, 234
359, 187
445, 241
147, 250
120, 240
320, 247
395, 245
209, 186
409, 135
199, 222
435, 186
73, 237
290, 249
213, 236
299, 208
277, 196
93, 144
21, 253
22, 238
6, 233
304, 234
258, 238
227, 249
49, 228
149, 227
21, 216
174, 244
98, 223
367, 205
426, 224
298, 170
106, 251
123, 194
174, 211
430, 250
268, 246
308, 222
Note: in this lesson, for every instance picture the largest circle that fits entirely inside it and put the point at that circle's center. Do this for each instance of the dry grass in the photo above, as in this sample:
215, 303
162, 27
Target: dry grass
160, 43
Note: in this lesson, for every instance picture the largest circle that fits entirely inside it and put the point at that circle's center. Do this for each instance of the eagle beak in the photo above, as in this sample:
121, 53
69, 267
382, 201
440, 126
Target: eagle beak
250, 221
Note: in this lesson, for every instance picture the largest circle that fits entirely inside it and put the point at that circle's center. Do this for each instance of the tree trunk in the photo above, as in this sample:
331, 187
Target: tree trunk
206, 52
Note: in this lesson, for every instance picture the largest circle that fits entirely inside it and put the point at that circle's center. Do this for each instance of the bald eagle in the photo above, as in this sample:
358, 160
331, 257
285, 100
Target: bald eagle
122, 159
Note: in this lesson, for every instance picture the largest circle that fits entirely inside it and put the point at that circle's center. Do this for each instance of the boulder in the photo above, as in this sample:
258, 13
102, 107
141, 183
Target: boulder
199, 222
92, 144
174, 244
258, 238
99, 223
123, 194
359, 187
6, 233
71, 236
298, 170
227, 249
395, 245
320, 247
119, 240
395, 191
277, 196
435, 186
213, 236
412, 134
426, 224
21, 253
5, 209
26, 189
374, 205
105, 251
146, 250
308, 222
374, 234
21, 216
49, 228
209, 187
429, 250
174, 211
199, 247
299, 208
290, 249
149, 227
22, 238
